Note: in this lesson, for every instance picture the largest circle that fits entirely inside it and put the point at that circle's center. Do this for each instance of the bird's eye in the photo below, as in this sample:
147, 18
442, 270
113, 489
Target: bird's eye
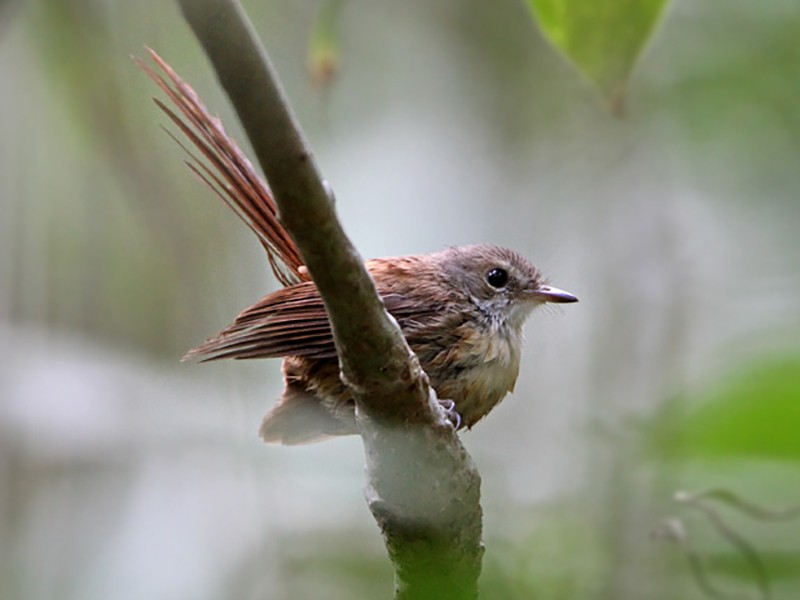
497, 278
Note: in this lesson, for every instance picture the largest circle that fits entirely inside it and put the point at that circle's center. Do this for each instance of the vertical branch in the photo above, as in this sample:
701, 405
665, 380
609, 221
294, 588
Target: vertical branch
423, 488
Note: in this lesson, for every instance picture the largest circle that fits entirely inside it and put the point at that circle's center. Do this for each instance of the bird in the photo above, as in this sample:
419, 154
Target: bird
461, 309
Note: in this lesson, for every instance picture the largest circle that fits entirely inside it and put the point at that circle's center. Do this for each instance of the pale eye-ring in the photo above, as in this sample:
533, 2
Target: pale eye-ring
497, 277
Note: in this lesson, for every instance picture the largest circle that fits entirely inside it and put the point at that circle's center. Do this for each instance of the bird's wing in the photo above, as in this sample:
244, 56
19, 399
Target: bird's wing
293, 322
289, 322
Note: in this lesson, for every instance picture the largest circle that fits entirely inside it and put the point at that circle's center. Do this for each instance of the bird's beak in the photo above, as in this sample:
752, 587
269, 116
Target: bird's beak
546, 293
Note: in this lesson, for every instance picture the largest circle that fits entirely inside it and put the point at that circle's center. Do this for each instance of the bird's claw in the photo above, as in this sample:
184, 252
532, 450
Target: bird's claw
452, 414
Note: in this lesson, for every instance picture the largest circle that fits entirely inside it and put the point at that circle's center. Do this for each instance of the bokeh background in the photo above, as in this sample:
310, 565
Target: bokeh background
126, 474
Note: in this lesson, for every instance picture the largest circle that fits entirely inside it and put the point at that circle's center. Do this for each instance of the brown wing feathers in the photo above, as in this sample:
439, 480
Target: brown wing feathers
289, 322
293, 322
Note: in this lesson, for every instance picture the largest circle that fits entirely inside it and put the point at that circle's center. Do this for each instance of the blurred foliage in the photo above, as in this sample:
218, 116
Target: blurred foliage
747, 418
752, 414
603, 38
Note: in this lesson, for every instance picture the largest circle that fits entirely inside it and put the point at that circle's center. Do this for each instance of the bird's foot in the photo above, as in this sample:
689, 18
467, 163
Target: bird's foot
452, 414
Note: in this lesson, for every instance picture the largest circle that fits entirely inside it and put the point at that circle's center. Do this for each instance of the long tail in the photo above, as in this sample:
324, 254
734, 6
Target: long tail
228, 172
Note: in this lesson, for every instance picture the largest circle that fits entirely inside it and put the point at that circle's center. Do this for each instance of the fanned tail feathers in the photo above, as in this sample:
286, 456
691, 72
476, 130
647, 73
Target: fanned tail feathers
228, 172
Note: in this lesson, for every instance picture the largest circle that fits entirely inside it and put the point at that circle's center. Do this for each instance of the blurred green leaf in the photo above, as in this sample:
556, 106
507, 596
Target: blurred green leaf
782, 565
603, 38
755, 413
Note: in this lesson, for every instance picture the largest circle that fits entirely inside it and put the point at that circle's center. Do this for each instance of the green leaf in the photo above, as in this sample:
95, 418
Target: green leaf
603, 38
753, 414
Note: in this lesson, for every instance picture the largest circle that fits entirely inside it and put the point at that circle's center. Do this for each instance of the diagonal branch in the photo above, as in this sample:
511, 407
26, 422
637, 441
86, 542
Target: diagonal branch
423, 488
370, 344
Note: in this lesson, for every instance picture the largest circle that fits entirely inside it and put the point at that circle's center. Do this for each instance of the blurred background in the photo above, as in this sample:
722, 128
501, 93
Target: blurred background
126, 474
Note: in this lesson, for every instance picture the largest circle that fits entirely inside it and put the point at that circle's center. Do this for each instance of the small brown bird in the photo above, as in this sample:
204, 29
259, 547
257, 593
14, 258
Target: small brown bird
461, 310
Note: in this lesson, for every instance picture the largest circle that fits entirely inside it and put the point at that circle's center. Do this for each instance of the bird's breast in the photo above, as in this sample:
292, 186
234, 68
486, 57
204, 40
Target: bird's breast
478, 370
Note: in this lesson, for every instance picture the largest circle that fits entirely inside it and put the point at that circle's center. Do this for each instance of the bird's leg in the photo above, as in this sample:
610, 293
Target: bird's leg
452, 414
